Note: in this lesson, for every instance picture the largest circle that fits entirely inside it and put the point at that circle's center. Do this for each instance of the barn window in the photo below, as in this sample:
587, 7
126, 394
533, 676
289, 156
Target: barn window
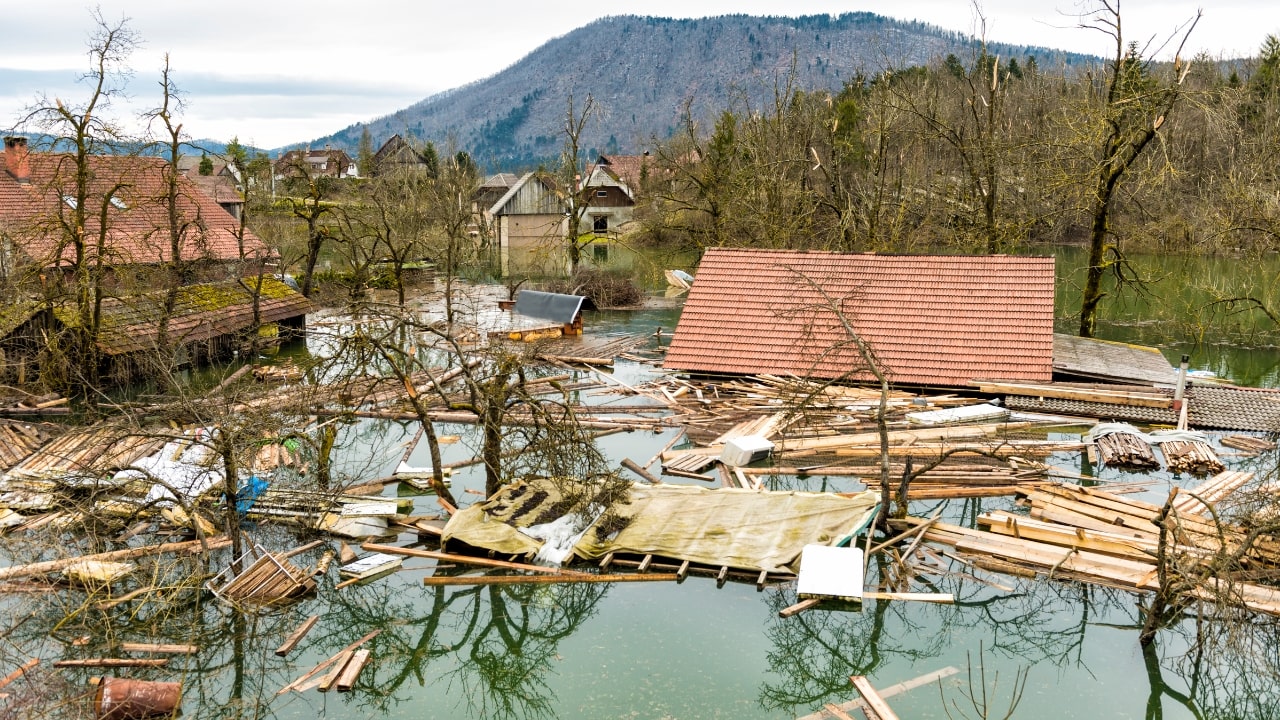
600, 224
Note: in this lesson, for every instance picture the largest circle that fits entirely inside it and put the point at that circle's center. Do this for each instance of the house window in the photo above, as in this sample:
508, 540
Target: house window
600, 224
601, 252
602, 193
70, 200
120, 204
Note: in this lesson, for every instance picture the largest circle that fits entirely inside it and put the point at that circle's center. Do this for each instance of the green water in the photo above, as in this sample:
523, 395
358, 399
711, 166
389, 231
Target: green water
695, 650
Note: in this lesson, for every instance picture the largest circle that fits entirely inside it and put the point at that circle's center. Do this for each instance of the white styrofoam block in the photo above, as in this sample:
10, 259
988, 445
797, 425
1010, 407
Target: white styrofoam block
827, 571
745, 450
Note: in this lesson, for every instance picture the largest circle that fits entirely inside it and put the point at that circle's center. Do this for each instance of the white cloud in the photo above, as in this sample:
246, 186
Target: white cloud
287, 70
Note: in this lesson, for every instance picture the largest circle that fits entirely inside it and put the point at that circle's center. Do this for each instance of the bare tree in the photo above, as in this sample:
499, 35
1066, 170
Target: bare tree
1135, 105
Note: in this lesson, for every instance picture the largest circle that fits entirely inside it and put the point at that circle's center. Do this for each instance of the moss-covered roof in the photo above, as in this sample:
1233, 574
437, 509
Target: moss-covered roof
200, 312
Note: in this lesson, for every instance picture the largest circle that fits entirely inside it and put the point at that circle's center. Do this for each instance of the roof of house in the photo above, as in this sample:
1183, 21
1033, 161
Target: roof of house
32, 213
627, 168
398, 151
930, 319
201, 312
533, 194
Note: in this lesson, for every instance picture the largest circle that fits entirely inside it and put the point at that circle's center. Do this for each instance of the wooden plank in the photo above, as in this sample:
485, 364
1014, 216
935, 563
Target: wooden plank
466, 559
113, 662
873, 698
329, 679
798, 607
169, 648
296, 636
347, 678
327, 663
944, 598
890, 691
1134, 399
547, 579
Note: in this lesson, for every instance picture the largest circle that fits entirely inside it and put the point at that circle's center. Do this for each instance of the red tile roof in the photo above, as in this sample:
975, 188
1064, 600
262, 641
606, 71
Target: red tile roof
137, 226
930, 319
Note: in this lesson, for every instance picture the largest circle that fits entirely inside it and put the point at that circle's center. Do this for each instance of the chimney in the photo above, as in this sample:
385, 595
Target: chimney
16, 160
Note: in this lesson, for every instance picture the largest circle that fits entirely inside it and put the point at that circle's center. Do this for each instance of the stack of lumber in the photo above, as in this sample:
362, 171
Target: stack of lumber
1190, 456
1211, 491
1249, 444
1132, 396
1094, 537
1122, 449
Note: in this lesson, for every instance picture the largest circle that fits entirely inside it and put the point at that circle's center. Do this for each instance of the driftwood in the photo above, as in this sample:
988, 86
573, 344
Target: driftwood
50, 566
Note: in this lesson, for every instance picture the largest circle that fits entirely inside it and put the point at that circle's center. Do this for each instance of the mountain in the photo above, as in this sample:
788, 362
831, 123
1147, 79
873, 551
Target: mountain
645, 71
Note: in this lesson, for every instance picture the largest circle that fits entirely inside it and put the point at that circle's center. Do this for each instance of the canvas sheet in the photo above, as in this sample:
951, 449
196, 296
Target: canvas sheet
743, 529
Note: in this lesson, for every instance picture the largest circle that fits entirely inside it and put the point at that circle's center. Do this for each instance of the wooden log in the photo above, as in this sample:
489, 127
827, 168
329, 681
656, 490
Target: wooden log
465, 559
22, 670
166, 648
296, 636
113, 662
547, 579
873, 698
631, 465
50, 566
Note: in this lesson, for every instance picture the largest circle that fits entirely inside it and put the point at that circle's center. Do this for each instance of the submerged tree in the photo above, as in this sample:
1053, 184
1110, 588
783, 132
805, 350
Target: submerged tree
1134, 107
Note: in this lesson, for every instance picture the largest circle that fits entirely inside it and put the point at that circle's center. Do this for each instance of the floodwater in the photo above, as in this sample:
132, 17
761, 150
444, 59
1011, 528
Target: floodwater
694, 650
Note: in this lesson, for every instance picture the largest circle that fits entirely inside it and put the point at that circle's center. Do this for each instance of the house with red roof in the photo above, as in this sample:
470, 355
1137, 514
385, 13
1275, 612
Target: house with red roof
127, 230
930, 320
125, 206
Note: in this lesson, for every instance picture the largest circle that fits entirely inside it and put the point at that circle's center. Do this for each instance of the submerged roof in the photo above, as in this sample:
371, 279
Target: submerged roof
744, 529
930, 319
201, 312
1110, 361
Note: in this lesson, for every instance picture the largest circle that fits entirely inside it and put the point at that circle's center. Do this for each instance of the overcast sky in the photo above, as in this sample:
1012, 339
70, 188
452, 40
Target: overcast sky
275, 72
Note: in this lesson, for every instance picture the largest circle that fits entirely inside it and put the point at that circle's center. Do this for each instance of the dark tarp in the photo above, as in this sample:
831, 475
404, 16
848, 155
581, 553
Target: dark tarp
551, 306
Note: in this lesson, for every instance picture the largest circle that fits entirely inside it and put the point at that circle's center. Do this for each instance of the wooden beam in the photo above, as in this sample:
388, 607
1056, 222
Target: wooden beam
465, 559
877, 703
296, 636
547, 579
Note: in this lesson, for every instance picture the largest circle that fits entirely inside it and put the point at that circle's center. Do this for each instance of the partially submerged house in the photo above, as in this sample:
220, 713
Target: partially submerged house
529, 223
610, 191
128, 239
931, 320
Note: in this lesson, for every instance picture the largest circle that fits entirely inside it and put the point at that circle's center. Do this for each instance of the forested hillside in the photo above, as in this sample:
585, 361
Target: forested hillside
645, 72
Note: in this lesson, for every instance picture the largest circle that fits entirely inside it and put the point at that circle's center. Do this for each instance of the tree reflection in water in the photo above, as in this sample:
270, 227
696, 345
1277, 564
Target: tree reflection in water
493, 646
